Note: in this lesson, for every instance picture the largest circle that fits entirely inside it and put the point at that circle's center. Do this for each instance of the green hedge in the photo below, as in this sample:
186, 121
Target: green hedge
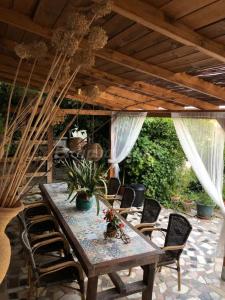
155, 159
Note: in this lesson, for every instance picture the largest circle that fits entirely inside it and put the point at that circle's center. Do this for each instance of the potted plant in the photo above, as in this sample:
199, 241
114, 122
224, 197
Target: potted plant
85, 181
204, 205
113, 223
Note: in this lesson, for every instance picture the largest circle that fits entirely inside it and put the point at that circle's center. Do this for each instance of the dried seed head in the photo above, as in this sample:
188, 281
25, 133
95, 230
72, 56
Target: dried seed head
103, 8
65, 41
63, 76
91, 91
78, 23
22, 51
97, 38
38, 49
84, 58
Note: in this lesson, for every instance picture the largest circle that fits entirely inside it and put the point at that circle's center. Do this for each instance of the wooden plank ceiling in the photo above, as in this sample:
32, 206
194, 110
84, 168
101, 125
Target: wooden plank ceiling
161, 54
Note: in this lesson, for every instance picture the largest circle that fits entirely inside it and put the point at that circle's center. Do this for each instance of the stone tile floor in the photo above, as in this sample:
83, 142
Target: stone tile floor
201, 268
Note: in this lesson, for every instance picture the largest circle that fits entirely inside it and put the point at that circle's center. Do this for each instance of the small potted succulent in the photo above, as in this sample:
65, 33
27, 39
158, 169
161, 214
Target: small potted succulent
85, 181
114, 224
204, 205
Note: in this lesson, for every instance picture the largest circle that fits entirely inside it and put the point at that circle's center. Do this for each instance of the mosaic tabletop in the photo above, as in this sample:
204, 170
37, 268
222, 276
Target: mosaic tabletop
88, 228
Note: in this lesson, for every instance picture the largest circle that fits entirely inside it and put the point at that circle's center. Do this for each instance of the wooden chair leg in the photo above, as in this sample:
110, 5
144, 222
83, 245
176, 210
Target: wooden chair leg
160, 269
178, 275
130, 271
82, 289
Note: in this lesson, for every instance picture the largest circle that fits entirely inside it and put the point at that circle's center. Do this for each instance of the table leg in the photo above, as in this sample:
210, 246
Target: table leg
92, 287
148, 279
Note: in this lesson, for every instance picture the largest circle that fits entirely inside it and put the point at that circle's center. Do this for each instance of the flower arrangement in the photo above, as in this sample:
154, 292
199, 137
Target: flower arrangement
112, 219
114, 226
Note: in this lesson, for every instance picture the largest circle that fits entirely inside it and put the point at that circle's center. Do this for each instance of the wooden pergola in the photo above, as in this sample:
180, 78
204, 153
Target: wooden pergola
162, 55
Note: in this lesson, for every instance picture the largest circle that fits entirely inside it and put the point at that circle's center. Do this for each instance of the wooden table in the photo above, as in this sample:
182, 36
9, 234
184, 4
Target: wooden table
84, 231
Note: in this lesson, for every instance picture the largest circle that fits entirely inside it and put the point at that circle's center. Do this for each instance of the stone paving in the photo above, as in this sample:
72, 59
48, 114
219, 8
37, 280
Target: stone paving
201, 268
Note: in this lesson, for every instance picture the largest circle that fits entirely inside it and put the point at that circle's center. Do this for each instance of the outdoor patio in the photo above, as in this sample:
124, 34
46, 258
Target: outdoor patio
201, 268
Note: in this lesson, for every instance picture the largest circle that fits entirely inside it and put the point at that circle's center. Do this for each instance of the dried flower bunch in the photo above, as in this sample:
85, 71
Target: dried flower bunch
71, 54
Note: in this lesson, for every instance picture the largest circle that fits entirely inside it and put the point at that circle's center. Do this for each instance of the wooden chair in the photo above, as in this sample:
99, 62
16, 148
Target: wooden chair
177, 233
58, 270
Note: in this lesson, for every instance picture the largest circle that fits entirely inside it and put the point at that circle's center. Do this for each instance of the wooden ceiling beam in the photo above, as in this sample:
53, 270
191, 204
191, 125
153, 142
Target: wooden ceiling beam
143, 87
155, 19
84, 112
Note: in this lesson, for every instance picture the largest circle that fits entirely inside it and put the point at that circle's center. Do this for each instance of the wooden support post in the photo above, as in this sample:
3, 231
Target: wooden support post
50, 159
111, 170
223, 270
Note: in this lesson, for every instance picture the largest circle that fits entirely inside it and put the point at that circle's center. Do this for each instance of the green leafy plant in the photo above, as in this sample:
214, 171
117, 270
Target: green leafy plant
155, 159
202, 198
86, 178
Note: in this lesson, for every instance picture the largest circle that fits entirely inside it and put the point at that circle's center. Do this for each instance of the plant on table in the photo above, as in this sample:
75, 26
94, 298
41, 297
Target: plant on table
86, 181
113, 222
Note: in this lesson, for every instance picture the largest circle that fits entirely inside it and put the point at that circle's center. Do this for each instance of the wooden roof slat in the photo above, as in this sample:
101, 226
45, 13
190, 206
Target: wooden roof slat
153, 18
208, 14
180, 8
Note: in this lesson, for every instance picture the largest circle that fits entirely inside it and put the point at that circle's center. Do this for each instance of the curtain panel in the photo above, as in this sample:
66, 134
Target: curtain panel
125, 129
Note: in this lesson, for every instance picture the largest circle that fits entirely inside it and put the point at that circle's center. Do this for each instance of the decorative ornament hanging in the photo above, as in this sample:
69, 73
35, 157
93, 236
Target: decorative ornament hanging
93, 151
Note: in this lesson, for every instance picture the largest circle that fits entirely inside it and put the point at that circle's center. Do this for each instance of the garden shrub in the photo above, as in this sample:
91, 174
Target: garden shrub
155, 159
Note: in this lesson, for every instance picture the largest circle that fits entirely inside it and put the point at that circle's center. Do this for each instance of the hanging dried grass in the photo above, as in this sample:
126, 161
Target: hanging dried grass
91, 91
78, 23
22, 51
84, 58
38, 49
97, 38
102, 8
65, 41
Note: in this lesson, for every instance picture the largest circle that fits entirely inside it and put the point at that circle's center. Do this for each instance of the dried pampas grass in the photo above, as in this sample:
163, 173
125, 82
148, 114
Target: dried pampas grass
84, 58
22, 51
91, 91
65, 41
103, 8
97, 38
78, 23
38, 49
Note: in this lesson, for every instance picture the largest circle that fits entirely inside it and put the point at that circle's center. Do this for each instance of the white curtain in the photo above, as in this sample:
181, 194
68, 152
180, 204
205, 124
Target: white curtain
202, 138
125, 129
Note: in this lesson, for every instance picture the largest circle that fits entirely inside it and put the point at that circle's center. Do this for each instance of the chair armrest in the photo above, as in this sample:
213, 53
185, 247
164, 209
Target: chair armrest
39, 245
60, 266
171, 248
150, 228
144, 225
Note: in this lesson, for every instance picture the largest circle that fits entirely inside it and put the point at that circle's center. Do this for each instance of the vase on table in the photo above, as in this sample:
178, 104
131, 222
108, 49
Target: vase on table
6, 215
84, 202
111, 230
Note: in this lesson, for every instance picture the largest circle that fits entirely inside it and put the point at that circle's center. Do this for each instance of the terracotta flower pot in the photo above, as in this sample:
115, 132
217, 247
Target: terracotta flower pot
6, 215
